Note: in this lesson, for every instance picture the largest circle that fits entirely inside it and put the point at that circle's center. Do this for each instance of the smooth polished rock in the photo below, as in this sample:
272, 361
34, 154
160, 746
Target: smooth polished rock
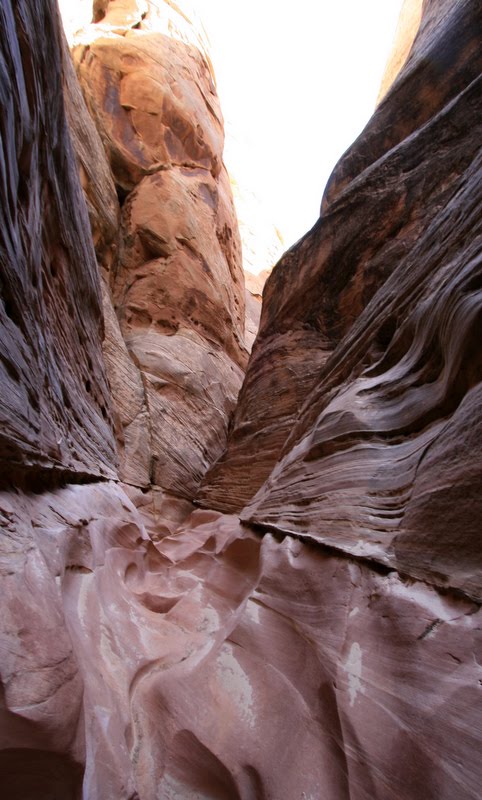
185, 666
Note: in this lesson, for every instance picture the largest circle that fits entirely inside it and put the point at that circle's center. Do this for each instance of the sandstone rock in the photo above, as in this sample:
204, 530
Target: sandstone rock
407, 29
94, 171
131, 418
178, 293
279, 377
154, 103
43, 682
198, 658
178, 269
390, 433
152, 651
180, 265
191, 391
383, 196
253, 316
56, 408
131, 414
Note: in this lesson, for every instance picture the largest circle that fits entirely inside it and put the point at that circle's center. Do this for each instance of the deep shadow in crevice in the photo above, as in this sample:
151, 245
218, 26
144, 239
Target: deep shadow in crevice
27, 774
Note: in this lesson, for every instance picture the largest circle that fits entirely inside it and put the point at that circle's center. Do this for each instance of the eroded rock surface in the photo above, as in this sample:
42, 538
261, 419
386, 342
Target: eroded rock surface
391, 434
381, 435
330, 645
186, 666
383, 196
55, 404
173, 273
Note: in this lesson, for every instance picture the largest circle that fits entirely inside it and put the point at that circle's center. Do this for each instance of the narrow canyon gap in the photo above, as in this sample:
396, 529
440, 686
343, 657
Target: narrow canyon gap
229, 575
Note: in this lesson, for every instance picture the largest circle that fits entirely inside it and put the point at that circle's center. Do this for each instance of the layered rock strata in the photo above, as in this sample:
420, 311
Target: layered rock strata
56, 417
384, 194
391, 433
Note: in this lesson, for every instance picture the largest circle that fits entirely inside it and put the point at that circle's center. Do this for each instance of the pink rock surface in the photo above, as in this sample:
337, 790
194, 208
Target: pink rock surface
189, 666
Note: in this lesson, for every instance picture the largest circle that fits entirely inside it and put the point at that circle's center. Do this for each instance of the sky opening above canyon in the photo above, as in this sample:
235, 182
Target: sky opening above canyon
297, 84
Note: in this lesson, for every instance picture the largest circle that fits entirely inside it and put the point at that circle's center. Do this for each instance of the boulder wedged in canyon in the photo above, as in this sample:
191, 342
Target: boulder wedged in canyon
149, 650
384, 193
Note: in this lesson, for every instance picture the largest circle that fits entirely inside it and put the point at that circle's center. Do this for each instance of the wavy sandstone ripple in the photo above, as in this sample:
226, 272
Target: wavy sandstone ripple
384, 195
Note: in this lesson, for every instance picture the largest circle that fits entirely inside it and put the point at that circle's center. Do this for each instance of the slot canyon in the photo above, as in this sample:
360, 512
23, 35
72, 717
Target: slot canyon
240, 549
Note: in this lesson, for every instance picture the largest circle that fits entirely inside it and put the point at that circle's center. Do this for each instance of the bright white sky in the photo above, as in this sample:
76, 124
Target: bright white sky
297, 82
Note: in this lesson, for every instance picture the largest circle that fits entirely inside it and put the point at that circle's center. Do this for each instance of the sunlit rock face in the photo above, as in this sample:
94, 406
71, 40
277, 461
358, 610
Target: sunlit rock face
385, 199
174, 298
154, 651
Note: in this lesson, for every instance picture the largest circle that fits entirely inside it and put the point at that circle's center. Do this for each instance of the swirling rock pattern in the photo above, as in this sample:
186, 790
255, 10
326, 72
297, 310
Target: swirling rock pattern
381, 436
189, 666
391, 434
384, 194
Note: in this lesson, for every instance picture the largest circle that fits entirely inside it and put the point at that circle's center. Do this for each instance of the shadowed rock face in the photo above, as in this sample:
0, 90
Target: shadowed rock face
391, 434
55, 411
329, 645
39, 774
385, 193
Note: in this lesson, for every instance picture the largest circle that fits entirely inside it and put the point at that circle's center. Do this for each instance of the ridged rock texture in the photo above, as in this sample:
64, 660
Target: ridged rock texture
56, 410
383, 195
325, 643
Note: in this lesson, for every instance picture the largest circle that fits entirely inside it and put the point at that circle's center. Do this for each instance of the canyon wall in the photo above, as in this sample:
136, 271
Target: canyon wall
326, 642
169, 252
384, 193
56, 410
